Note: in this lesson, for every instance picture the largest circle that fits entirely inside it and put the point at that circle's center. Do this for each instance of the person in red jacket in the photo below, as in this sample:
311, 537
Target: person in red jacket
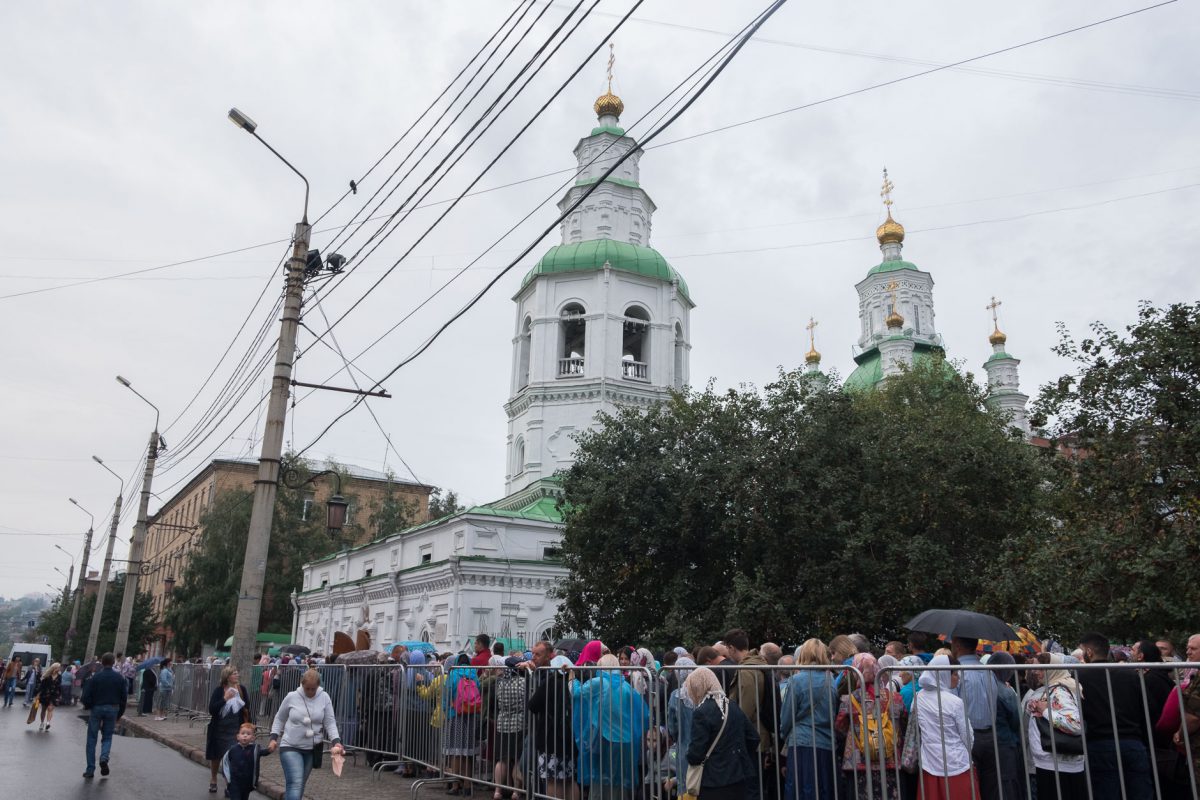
483, 651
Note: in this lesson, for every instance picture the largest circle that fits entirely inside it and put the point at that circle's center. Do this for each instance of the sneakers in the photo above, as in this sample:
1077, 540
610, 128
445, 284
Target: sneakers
41, 727
47, 727
104, 768
159, 719
89, 774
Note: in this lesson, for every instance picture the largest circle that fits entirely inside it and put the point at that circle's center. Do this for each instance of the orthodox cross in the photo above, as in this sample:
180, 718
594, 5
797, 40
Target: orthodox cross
612, 59
892, 287
886, 192
992, 306
811, 326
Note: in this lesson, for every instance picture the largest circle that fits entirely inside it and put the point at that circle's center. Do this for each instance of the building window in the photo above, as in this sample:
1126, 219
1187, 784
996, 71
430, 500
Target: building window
426, 558
551, 553
519, 456
680, 355
523, 353
572, 341
916, 318
635, 344
350, 509
306, 508
324, 579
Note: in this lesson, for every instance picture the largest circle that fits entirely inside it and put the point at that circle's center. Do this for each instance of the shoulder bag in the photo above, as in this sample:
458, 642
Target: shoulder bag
1054, 741
695, 772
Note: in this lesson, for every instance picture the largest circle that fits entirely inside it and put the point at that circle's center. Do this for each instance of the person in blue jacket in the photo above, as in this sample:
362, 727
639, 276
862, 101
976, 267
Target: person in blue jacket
104, 696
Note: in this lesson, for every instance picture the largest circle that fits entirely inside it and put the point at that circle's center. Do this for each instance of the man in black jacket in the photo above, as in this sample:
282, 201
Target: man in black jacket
1118, 754
104, 695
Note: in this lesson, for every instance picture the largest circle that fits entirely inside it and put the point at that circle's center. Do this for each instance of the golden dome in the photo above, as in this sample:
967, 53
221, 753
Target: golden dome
890, 230
812, 357
608, 104
894, 320
997, 337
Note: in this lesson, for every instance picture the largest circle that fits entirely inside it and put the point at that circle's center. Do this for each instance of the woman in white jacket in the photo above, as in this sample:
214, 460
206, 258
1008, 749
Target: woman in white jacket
303, 716
946, 737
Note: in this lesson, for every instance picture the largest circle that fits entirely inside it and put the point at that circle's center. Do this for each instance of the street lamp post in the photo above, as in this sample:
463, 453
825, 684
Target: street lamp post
139, 531
102, 589
258, 541
83, 565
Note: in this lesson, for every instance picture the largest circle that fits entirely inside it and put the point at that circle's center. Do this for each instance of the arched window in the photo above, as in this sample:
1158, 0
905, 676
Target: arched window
518, 456
572, 341
635, 344
680, 356
523, 354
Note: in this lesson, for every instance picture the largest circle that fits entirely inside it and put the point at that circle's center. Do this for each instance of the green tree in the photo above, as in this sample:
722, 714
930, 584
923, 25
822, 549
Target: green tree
392, 513
799, 510
54, 621
204, 601
443, 506
1126, 422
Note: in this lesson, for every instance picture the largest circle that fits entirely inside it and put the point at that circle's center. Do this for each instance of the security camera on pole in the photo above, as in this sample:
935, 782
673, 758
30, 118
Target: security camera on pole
139, 532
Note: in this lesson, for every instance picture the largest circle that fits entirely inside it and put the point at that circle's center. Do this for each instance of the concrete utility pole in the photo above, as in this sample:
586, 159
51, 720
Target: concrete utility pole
266, 485
135, 547
102, 590
87, 551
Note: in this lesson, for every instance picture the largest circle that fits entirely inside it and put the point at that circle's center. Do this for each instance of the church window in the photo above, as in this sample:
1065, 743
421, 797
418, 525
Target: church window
680, 354
635, 344
572, 341
523, 353
518, 456
916, 318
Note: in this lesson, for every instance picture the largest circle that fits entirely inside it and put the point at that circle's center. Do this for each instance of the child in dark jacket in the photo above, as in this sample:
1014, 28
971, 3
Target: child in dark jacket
240, 764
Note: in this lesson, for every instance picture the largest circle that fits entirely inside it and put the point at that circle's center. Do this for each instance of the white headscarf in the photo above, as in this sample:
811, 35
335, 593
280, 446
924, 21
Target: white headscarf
936, 679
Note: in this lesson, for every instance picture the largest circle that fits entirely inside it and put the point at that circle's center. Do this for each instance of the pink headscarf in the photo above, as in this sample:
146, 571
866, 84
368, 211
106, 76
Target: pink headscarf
591, 652
869, 667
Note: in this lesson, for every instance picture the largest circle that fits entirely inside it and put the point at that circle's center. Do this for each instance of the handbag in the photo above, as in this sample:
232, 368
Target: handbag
695, 772
1057, 742
910, 756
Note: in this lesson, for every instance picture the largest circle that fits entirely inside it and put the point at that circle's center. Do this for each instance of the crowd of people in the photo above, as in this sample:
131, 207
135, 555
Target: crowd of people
923, 718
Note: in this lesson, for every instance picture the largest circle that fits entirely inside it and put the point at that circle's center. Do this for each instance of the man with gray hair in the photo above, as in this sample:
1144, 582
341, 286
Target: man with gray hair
860, 642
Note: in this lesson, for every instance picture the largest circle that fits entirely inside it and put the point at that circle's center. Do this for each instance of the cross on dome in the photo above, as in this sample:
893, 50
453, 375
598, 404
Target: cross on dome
608, 104
812, 356
894, 320
997, 336
890, 231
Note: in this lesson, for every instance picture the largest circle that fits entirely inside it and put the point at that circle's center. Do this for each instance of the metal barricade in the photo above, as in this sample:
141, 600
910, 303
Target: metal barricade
1046, 730
422, 721
369, 718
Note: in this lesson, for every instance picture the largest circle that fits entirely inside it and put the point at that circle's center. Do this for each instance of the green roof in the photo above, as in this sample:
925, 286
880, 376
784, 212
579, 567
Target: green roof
869, 371
613, 129
592, 255
998, 356
892, 266
544, 509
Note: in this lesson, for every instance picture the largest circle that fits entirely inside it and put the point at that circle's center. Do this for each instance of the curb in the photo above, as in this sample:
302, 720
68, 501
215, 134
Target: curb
267, 787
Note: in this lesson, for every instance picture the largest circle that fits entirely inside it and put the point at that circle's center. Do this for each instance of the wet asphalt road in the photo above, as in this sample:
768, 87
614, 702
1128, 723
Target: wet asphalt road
50, 765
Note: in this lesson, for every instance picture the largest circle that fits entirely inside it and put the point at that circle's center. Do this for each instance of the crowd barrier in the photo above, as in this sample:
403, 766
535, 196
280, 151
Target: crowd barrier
824, 732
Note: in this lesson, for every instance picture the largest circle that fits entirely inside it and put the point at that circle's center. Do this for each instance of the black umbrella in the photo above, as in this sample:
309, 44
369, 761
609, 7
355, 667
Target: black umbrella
295, 650
957, 622
574, 646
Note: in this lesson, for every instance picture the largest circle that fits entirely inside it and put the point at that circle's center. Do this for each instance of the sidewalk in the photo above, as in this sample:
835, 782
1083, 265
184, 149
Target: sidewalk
356, 780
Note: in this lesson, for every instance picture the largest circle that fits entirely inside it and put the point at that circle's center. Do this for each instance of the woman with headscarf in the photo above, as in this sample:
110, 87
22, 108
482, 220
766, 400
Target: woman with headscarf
461, 704
679, 718
722, 739
945, 735
872, 721
609, 720
591, 653
642, 661
508, 741
1057, 701
806, 725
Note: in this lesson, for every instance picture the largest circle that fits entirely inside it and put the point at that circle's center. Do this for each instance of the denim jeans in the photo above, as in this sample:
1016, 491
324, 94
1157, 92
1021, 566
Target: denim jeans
164, 700
10, 691
297, 764
102, 719
30, 689
1135, 765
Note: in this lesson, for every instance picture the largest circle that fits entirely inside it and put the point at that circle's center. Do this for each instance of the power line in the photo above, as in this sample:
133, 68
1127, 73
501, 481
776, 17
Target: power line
697, 94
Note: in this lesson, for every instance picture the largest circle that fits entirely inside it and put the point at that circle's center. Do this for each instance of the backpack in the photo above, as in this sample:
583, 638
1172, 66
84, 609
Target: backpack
878, 731
467, 699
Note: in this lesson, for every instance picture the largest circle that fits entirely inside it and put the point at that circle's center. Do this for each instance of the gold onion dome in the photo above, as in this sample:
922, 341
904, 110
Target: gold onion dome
890, 231
608, 104
894, 320
812, 356
997, 337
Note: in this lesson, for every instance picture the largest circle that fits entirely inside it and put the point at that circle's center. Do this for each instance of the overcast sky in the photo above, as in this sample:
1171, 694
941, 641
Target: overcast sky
1061, 177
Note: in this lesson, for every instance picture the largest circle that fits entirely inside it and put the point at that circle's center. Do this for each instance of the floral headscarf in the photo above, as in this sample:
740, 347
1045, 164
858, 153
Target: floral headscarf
702, 684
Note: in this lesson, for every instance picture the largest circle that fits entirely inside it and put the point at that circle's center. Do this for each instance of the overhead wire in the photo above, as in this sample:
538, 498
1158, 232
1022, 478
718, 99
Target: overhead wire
699, 92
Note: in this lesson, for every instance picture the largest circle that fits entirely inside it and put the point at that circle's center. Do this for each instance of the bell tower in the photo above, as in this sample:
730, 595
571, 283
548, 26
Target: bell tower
602, 320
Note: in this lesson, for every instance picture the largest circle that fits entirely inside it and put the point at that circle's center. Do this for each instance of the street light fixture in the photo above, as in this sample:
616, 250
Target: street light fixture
139, 530
266, 484
102, 589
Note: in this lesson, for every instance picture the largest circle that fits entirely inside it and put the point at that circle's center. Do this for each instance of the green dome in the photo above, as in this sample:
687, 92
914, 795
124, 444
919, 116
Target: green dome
869, 371
591, 255
892, 266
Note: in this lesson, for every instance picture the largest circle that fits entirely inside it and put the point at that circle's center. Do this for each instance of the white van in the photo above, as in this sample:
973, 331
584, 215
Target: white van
28, 651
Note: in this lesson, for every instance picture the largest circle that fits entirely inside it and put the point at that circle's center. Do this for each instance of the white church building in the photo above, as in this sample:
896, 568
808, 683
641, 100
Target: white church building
602, 321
